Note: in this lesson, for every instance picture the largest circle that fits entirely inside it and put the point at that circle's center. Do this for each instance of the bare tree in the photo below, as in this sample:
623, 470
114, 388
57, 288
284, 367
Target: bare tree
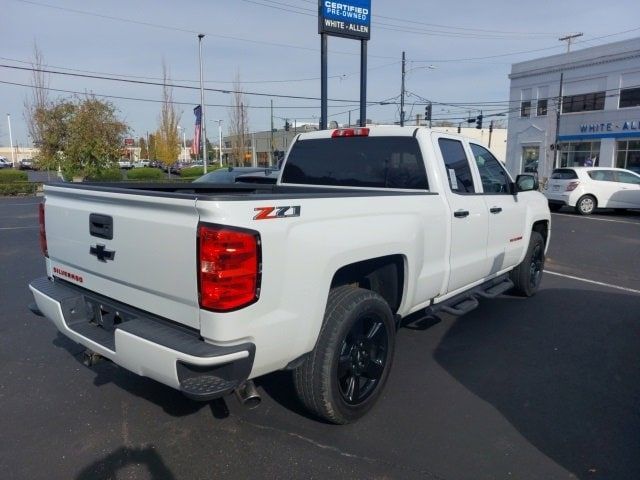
239, 125
167, 139
36, 104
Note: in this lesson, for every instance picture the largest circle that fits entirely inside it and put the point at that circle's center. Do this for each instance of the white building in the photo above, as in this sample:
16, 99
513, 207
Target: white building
599, 121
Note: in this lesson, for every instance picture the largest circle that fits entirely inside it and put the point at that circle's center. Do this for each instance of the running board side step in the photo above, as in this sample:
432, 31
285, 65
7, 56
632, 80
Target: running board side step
467, 301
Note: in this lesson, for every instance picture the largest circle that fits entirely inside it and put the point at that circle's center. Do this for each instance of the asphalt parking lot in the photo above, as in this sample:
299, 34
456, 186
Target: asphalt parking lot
540, 388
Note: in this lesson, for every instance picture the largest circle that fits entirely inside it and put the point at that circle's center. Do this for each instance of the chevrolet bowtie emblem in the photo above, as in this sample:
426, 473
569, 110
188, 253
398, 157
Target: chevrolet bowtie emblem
102, 253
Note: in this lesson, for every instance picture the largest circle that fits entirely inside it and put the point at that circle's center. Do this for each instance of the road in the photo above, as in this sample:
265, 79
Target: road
540, 388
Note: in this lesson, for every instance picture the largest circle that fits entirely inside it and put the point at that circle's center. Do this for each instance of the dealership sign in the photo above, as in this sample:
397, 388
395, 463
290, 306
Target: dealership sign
346, 18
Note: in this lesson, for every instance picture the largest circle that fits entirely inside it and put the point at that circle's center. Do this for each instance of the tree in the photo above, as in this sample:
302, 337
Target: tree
53, 130
167, 138
144, 150
36, 104
94, 138
239, 124
152, 147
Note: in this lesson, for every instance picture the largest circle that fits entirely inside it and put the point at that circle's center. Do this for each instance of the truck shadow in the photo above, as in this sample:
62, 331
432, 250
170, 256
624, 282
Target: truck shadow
141, 459
563, 369
171, 401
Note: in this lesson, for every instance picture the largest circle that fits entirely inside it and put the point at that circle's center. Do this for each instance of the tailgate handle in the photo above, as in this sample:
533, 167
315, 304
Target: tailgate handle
101, 226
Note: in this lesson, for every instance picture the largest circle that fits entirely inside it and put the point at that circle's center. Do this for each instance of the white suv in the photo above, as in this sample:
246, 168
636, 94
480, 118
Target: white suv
588, 188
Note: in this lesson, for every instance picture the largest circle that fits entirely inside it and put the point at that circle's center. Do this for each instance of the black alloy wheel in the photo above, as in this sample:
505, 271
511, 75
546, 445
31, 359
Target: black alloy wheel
362, 359
537, 264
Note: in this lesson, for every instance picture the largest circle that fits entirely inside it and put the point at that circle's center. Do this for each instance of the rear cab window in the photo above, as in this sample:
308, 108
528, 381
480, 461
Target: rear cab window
366, 162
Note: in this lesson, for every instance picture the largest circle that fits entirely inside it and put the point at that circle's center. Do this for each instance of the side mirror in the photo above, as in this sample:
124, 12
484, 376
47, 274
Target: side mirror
526, 183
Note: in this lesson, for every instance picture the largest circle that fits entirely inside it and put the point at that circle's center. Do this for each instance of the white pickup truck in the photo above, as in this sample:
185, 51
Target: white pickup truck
205, 287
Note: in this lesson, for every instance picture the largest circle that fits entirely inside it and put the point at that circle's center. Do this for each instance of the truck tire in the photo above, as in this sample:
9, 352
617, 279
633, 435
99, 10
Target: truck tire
341, 379
527, 276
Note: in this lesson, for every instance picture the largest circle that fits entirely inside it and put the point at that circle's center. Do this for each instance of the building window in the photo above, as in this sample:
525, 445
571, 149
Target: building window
525, 108
584, 102
628, 155
579, 154
530, 158
629, 97
541, 111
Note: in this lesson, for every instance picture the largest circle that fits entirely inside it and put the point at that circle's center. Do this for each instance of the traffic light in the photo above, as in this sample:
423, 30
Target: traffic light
491, 126
427, 112
479, 122
287, 125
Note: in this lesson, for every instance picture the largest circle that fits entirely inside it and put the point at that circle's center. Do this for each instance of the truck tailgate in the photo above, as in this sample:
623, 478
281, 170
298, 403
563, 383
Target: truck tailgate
153, 265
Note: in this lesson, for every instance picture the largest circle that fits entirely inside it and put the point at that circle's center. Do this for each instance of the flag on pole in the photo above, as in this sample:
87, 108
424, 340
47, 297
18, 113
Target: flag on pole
195, 146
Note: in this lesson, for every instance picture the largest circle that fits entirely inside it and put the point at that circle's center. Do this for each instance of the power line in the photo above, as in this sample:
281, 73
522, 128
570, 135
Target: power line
138, 99
451, 60
381, 25
174, 85
551, 34
141, 77
185, 30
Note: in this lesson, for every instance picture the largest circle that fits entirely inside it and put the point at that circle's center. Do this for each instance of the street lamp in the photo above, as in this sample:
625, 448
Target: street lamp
402, 88
184, 144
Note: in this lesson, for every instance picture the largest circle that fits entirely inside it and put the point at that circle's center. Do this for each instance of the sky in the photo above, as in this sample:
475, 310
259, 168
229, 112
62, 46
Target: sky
459, 55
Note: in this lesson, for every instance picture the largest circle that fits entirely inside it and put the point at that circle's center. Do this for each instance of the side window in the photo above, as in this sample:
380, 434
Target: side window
457, 166
624, 177
602, 175
493, 176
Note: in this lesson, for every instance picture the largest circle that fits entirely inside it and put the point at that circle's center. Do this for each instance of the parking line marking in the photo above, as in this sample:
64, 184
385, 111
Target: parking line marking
595, 218
586, 280
17, 228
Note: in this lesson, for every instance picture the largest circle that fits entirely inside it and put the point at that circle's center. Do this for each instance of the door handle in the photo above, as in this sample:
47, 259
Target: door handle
461, 213
495, 209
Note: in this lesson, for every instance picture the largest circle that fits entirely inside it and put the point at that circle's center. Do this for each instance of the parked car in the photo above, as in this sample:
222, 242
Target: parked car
227, 175
4, 163
141, 164
125, 164
27, 164
588, 188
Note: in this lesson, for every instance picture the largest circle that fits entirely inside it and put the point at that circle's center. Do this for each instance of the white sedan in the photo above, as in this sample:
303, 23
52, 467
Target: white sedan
588, 188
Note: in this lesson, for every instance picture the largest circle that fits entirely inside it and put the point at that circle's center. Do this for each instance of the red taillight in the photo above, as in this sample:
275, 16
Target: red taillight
351, 132
43, 233
571, 186
228, 267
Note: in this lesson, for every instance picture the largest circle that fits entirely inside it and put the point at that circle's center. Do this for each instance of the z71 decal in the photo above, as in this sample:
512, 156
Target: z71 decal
267, 213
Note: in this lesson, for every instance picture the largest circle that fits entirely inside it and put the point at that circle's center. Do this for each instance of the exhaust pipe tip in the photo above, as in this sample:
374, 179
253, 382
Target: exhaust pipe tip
247, 395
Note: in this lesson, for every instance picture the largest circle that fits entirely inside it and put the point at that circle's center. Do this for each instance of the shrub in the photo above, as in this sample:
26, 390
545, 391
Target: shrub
7, 176
19, 188
145, 174
111, 175
192, 172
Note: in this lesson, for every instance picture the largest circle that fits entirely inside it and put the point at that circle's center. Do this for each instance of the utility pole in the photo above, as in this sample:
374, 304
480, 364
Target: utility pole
558, 110
402, 91
271, 145
569, 38
417, 119
490, 132
204, 120
13, 155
